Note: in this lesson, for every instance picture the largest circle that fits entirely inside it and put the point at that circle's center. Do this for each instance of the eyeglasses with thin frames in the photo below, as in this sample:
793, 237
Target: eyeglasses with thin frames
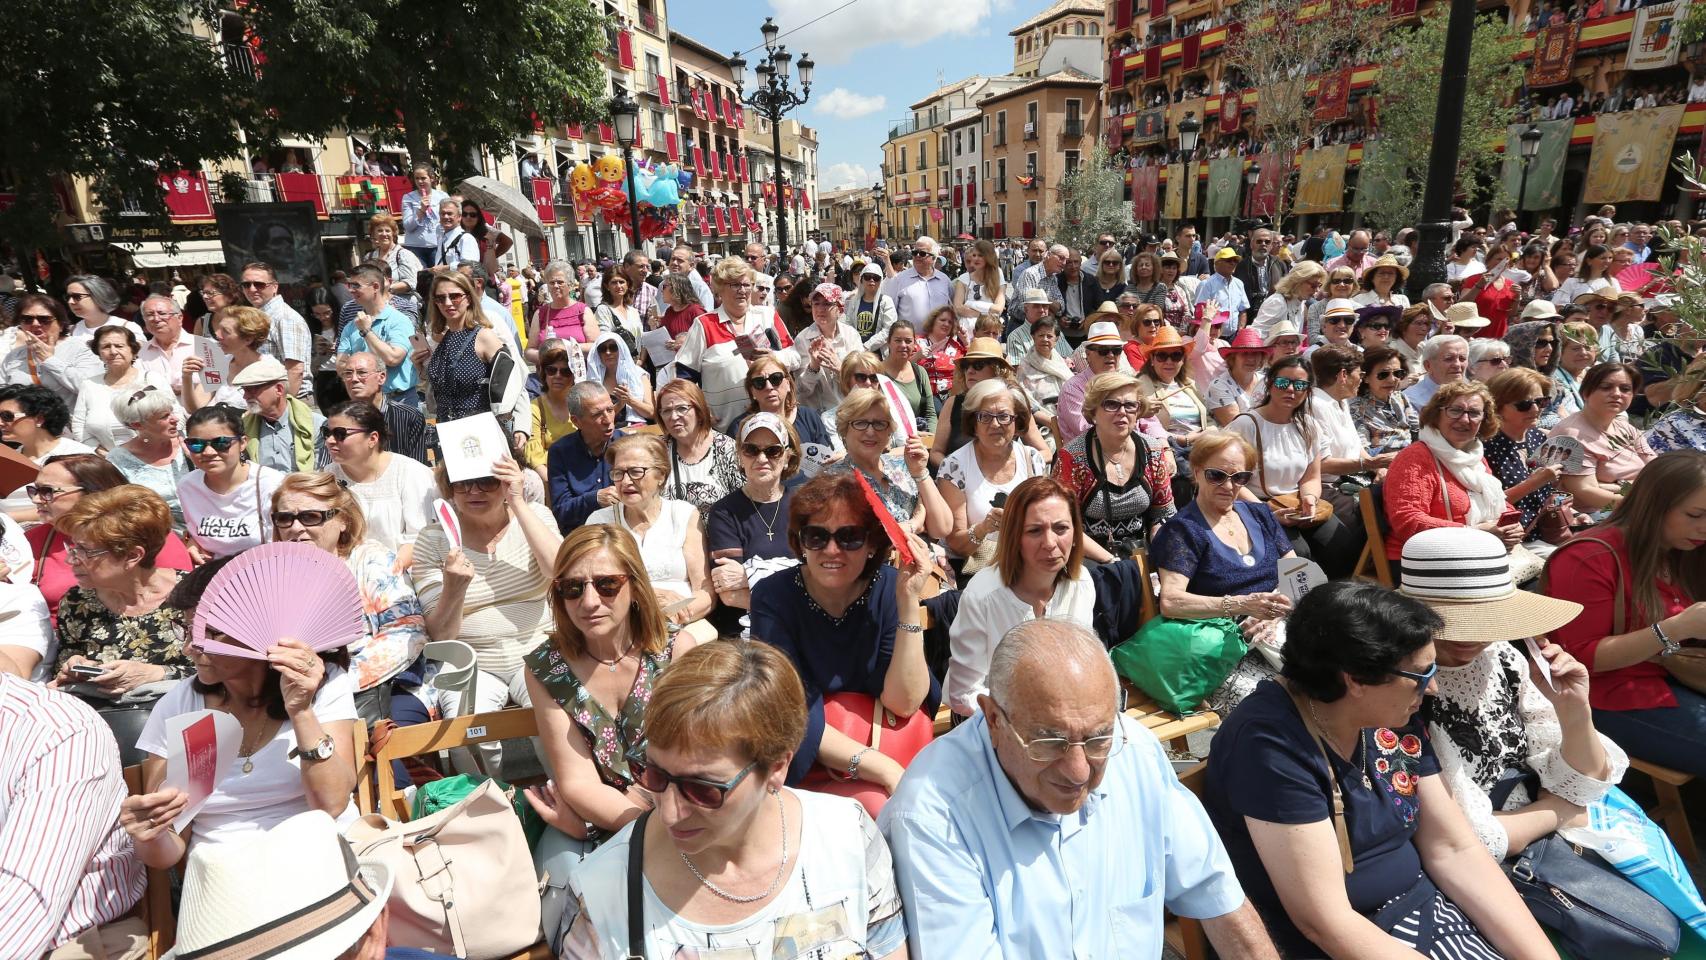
1051, 749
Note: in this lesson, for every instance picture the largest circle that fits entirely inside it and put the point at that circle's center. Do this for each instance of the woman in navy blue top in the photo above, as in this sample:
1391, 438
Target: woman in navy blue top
850, 623
1358, 658
1218, 557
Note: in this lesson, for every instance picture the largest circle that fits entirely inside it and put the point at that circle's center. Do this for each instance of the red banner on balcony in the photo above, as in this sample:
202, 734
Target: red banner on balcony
703, 109
625, 49
1333, 95
1191, 47
1263, 198
302, 186
1554, 54
1122, 14
606, 134
663, 90
745, 174
740, 116
187, 199
1116, 71
1145, 191
544, 201
1151, 63
671, 146
698, 160
1231, 109
805, 200
722, 220
1029, 229
395, 187
971, 194
1157, 9
699, 215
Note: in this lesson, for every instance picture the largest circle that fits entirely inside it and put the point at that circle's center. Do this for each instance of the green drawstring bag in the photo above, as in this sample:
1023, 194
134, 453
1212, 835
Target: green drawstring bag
1178, 663
436, 795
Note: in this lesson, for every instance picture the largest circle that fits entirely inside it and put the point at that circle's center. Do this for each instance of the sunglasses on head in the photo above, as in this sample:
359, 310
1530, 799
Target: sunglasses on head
482, 484
813, 537
702, 793
608, 586
772, 451
1218, 477
198, 444
340, 434
282, 519
761, 381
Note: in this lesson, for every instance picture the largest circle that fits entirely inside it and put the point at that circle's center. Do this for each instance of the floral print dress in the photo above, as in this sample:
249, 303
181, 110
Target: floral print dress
87, 628
612, 739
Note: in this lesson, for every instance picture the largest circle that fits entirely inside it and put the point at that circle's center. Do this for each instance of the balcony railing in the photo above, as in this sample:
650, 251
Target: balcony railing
649, 22
1030, 131
1073, 127
240, 60
903, 128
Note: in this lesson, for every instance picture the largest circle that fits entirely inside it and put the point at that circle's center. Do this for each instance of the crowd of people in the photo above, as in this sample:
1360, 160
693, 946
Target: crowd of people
747, 540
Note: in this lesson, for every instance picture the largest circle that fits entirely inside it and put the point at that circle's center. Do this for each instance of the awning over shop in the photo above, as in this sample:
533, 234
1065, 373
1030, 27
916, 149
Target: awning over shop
153, 256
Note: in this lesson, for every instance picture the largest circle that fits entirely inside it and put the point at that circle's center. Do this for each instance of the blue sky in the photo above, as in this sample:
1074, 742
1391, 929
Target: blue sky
875, 59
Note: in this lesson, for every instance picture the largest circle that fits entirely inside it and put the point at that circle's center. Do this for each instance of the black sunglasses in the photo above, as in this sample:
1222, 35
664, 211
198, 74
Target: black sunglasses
1385, 374
608, 586
308, 518
813, 537
198, 444
558, 370
772, 452
1106, 351
1217, 477
1527, 406
761, 381
340, 434
482, 484
979, 365
706, 794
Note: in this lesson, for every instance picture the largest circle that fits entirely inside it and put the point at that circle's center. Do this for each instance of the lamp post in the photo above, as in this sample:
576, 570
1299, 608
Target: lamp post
773, 99
1252, 177
1190, 129
1428, 266
982, 216
626, 114
1530, 149
879, 198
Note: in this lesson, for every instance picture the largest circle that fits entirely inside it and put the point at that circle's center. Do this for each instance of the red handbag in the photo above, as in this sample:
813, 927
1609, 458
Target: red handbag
863, 718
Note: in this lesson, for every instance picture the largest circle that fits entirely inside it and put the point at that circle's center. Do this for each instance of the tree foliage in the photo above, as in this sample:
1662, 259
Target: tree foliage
112, 91
444, 77
1409, 95
1091, 202
1283, 48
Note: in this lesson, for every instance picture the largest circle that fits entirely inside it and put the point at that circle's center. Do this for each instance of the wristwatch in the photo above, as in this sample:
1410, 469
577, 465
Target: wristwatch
1667, 646
318, 752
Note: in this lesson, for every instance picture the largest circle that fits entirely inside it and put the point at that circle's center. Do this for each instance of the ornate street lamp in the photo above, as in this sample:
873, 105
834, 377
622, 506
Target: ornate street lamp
626, 114
1530, 149
774, 99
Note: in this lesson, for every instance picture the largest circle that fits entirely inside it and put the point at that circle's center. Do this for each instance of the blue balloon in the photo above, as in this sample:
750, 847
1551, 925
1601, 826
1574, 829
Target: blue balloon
665, 194
686, 180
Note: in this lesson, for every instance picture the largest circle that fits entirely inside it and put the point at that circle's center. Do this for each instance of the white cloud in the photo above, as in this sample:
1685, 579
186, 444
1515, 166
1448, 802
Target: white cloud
843, 104
837, 37
840, 176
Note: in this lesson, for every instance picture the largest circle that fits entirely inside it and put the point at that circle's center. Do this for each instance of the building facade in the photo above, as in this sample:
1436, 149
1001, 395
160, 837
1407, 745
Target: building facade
1033, 135
1063, 18
918, 157
719, 216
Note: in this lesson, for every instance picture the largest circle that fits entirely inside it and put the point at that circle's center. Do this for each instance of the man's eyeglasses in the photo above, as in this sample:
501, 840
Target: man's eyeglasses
761, 381
247, 285
221, 444
772, 452
282, 519
1420, 679
813, 537
702, 793
1340, 320
1218, 477
923, 255
1127, 306
1105, 351
1051, 749
607, 586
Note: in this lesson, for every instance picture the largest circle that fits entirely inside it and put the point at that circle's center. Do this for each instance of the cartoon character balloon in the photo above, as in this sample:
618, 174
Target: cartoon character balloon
582, 179
609, 169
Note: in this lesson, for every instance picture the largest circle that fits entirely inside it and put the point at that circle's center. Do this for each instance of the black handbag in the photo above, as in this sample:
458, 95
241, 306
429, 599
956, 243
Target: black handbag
1595, 911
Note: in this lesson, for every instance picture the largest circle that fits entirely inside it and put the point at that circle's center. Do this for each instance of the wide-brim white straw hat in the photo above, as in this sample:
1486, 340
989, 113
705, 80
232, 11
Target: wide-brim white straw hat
1464, 576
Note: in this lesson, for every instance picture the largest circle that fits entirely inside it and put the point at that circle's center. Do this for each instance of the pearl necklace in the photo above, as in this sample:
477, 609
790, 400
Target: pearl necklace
781, 868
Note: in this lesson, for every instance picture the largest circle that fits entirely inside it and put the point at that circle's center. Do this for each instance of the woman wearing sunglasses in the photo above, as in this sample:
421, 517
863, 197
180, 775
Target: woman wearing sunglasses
1241, 385
395, 492
1166, 380
747, 532
240, 332
1329, 768
851, 623
489, 592
669, 532
319, 510
463, 346
1121, 477
1519, 396
984, 360
591, 683
732, 856
610, 363
770, 389
44, 354
552, 415
1288, 477
34, 420
154, 455
1341, 285
225, 497
1373, 326
1218, 557
1384, 417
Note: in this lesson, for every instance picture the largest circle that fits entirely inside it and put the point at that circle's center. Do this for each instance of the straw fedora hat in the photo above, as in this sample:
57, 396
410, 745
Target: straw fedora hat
1465, 316
1108, 310
1387, 260
983, 348
1464, 575
1284, 328
297, 884
1102, 333
1539, 309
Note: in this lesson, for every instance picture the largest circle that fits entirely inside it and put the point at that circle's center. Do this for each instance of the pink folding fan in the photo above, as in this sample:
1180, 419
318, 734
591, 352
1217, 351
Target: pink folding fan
280, 590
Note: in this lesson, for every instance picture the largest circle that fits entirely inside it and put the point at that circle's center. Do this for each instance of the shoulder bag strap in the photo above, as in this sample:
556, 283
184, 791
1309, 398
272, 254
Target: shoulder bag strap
675, 469
1336, 794
1261, 475
1618, 620
636, 895
260, 514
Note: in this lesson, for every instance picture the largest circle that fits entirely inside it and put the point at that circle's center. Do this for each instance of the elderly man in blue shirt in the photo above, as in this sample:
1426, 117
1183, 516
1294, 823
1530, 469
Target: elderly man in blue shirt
1225, 290
921, 289
579, 478
1051, 826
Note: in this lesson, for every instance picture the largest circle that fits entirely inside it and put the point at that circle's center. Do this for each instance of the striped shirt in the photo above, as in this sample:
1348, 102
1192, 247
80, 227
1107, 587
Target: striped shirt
65, 863
505, 613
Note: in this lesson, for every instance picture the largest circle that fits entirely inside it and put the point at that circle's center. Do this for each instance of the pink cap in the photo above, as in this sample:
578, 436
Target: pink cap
830, 293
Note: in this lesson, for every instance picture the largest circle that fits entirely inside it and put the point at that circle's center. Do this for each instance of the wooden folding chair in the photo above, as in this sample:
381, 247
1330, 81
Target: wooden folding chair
1151, 596
1373, 565
1667, 785
155, 907
424, 738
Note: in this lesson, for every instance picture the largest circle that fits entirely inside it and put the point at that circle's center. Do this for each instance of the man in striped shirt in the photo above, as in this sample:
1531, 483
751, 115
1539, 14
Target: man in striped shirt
65, 863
